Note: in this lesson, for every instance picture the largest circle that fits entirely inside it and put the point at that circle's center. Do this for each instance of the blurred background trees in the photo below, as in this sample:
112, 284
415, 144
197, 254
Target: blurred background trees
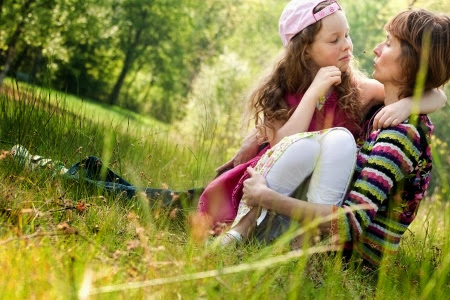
139, 54
189, 63
146, 55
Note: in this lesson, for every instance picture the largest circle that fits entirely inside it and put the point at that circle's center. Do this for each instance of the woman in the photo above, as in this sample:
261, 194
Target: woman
394, 164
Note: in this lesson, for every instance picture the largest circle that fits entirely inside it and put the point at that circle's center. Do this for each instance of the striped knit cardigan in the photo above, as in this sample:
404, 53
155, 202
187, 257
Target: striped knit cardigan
391, 177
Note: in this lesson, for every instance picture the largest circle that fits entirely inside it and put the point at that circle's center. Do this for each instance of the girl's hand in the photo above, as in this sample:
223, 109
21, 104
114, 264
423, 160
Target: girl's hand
254, 188
395, 113
392, 115
325, 78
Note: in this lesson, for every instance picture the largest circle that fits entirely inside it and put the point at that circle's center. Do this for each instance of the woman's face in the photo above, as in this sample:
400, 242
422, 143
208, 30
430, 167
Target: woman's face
332, 45
386, 67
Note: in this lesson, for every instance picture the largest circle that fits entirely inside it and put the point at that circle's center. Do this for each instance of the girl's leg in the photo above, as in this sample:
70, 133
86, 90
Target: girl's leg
295, 164
334, 168
333, 172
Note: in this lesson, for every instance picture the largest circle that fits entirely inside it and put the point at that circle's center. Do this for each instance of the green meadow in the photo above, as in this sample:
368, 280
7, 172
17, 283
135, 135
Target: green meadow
157, 90
62, 238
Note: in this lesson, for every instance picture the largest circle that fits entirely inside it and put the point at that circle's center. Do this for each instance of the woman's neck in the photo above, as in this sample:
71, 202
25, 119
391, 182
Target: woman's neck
391, 94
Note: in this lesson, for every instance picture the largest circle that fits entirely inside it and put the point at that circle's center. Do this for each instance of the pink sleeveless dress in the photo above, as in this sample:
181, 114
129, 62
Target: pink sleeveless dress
220, 200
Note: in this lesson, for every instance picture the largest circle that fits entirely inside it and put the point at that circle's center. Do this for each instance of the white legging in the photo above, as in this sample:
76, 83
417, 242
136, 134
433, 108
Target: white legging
330, 160
328, 157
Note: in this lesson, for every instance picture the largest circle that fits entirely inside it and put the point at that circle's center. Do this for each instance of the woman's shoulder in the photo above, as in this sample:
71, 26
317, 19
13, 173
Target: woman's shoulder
372, 93
415, 125
419, 124
413, 136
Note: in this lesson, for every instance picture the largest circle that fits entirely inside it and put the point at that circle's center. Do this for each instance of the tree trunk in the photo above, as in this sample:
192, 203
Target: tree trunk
36, 65
7, 64
123, 73
130, 57
18, 59
13, 40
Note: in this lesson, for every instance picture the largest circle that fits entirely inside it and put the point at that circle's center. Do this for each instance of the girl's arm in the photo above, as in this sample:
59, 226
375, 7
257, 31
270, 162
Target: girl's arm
301, 117
396, 113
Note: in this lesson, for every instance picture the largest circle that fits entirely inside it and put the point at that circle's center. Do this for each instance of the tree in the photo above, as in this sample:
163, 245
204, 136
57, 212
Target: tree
24, 10
89, 39
143, 24
94, 48
33, 33
169, 39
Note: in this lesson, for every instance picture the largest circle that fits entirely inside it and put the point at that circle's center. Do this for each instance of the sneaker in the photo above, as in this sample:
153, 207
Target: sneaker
227, 240
33, 162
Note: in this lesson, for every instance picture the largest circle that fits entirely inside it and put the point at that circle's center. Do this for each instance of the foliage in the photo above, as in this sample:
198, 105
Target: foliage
188, 61
439, 184
216, 103
146, 55
94, 48
366, 20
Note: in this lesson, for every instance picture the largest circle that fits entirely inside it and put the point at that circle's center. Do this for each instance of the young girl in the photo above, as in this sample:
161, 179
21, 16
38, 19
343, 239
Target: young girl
394, 164
312, 87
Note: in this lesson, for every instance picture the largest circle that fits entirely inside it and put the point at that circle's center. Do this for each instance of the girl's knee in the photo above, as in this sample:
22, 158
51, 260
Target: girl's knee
340, 139
305, 147
303, 155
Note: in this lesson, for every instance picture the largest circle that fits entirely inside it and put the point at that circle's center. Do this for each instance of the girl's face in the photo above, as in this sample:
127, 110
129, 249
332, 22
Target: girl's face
386, 67
332, 45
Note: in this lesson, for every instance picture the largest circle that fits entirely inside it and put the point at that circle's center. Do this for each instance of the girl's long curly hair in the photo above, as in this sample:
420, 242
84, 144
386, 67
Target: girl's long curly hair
293, 74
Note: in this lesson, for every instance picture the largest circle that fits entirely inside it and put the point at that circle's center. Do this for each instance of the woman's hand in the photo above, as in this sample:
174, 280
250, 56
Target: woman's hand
254, 188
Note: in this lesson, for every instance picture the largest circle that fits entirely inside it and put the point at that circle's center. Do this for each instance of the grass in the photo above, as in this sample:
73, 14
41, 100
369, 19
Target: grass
86, 108
60, 239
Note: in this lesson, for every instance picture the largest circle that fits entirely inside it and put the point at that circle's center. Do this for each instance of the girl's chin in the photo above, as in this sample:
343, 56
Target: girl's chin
344, 68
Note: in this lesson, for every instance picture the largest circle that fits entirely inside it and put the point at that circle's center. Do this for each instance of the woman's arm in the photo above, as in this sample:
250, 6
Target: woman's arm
382, 186
249, 149
394, 154
257, 193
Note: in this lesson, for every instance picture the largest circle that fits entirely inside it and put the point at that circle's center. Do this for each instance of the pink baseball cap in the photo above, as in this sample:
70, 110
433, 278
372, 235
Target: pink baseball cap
298, 14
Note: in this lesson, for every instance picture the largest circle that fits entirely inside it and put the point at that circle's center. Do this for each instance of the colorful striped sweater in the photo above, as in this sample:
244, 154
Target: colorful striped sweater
391, 177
